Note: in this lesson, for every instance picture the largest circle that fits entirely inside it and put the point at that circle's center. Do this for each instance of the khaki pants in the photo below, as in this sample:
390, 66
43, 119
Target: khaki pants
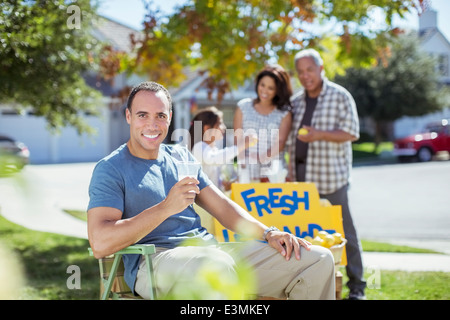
311, 277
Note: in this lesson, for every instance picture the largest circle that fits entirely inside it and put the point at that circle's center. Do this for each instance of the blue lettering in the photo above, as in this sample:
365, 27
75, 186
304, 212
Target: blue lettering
244, 195
288, 203
297, 232
304, 200
273, 198
312, 227
226, 237
261, 202
286, 229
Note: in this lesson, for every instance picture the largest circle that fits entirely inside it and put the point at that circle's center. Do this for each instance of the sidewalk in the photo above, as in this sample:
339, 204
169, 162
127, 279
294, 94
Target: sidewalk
39, 206
37, 203
406, 261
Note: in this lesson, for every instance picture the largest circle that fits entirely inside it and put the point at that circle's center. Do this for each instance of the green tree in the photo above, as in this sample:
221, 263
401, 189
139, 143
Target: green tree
403, 83
45, 47
233, 39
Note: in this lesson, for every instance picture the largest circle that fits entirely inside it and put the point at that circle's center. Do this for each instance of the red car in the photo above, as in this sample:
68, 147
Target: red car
424, 146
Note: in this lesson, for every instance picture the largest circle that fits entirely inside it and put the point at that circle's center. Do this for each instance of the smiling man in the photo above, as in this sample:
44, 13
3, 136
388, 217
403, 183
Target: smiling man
136, 197
148, 127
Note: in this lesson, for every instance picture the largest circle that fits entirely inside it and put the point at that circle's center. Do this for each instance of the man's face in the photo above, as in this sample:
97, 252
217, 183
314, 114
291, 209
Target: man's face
149, 121
309, 75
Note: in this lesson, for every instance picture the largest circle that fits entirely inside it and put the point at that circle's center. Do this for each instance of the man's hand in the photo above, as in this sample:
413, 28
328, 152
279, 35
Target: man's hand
285, 243
331, 136
311, 135
182, 195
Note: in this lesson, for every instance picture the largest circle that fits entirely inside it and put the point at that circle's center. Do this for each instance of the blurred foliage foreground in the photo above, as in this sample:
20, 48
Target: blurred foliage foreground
37, 266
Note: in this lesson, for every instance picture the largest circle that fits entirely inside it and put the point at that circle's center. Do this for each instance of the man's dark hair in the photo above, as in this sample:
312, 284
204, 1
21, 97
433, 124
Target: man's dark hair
148, 86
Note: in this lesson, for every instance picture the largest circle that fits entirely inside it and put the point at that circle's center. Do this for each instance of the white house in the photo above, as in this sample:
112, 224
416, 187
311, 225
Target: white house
437, 45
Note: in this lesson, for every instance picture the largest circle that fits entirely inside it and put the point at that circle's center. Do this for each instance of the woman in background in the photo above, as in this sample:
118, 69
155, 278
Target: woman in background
269, 116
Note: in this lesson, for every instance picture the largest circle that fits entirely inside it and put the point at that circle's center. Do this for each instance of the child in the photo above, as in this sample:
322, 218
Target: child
207, 127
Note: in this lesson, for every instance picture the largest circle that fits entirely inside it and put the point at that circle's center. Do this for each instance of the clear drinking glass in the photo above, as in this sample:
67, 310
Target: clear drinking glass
186, 166
188, 169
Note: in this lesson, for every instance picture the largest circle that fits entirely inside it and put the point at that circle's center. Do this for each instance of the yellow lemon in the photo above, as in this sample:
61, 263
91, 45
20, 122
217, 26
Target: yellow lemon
317, 241
337, 238
302, 131
308, 238
328, 241
322, 234
253, 141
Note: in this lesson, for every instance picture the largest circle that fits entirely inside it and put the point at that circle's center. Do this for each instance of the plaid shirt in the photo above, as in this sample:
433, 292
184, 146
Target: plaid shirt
328, 164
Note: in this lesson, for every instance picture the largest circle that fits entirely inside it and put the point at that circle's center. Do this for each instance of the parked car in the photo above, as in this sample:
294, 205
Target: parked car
14, 155
423, 146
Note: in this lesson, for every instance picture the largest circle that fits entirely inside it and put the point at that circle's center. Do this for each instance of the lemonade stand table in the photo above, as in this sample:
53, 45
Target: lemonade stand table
294, 207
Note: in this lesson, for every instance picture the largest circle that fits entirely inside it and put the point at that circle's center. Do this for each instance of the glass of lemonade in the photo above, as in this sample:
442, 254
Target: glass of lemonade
188, 169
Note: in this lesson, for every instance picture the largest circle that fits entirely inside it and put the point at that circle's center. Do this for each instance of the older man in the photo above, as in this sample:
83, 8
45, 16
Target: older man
321, 152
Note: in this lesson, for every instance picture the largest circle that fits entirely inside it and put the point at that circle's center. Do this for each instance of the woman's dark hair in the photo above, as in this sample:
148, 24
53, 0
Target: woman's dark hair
207, 116
283, 85
149, 86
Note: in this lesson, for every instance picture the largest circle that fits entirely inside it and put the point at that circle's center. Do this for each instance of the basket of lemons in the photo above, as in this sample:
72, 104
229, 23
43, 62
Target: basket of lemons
335, 242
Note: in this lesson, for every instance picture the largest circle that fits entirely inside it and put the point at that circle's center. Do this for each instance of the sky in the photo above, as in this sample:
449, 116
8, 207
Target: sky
131, 13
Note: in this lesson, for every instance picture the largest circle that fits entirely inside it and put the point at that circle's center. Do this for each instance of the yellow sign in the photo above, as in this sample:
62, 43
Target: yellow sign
292, 207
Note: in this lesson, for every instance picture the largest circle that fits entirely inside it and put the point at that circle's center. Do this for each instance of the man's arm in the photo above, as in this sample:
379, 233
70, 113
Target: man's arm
108, 232
347, 128
235, 218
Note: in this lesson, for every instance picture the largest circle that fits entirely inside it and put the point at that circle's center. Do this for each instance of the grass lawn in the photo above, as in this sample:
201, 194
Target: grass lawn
400, 285
375, 246
366, 150
46, 257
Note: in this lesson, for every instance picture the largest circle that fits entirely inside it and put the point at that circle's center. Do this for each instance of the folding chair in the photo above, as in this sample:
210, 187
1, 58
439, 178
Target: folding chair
112, 283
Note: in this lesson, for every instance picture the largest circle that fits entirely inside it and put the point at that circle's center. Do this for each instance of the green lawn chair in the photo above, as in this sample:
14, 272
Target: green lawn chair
112, 283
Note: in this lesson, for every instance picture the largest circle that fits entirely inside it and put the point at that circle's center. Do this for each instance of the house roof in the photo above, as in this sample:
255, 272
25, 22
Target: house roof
118, 36
429, 33
115, 33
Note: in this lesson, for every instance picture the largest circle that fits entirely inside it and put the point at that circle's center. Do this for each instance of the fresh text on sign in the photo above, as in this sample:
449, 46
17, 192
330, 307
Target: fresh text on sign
288, 203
